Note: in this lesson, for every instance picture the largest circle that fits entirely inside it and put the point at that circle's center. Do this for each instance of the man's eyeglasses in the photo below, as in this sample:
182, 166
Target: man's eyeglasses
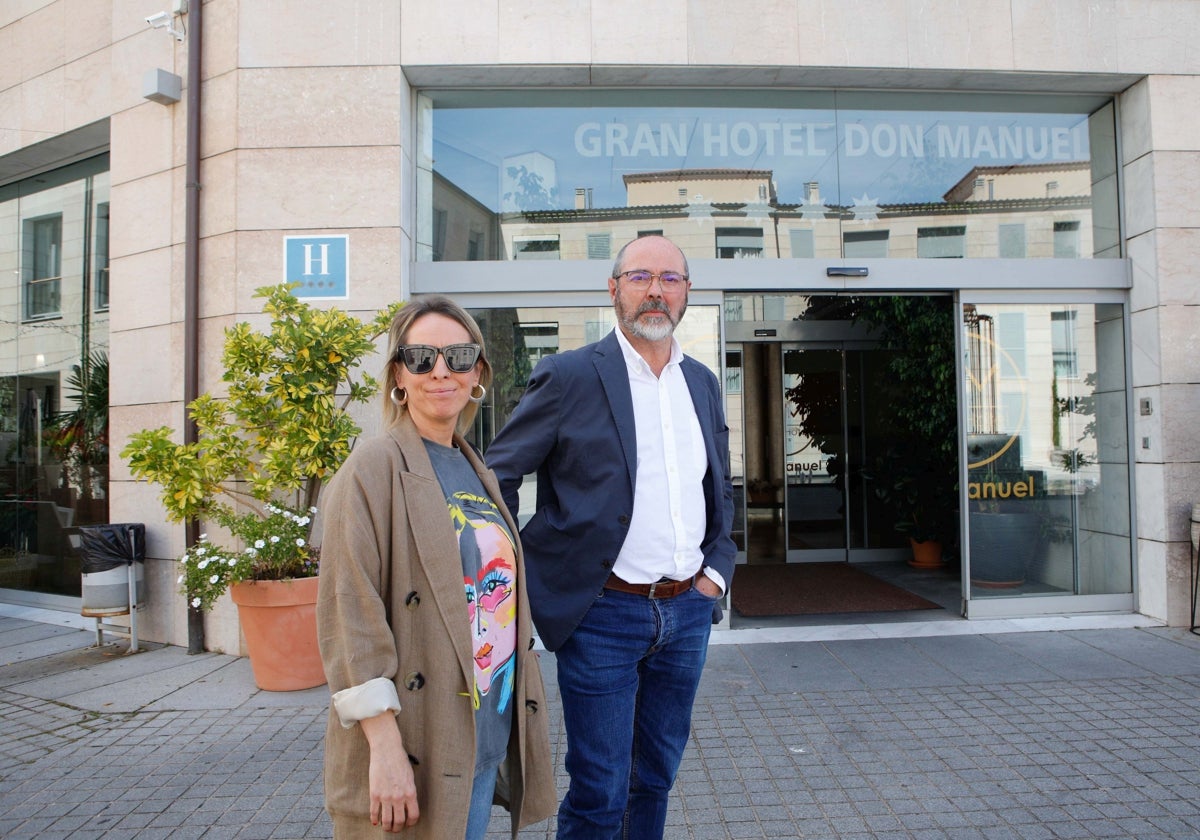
420, 358
641, 279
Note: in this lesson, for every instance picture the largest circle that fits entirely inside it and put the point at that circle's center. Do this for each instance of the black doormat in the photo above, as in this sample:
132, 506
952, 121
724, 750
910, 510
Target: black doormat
816, 588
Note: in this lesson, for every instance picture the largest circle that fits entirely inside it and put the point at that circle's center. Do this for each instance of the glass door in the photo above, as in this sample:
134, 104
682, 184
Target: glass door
803, 459
814, 453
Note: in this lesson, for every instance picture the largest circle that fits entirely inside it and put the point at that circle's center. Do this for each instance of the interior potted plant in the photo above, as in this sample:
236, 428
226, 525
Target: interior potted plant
917, 476
78, 438
261, 455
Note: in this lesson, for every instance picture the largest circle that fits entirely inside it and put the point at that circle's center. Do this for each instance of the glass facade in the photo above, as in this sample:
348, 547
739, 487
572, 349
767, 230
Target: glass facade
1038, 428
53, 373
1047, 450
762, 174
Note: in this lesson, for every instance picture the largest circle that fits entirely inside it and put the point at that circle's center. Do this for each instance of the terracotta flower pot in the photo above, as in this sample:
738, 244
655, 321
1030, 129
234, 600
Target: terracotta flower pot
279, 620
926, 554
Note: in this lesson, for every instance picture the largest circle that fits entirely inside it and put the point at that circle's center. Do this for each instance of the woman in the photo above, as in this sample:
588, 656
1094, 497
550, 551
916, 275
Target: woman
423, 620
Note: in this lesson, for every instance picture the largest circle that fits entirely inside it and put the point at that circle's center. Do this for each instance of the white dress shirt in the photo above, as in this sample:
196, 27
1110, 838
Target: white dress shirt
669, 512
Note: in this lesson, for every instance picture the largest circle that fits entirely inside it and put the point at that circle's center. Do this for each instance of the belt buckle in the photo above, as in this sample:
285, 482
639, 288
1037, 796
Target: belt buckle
653, 586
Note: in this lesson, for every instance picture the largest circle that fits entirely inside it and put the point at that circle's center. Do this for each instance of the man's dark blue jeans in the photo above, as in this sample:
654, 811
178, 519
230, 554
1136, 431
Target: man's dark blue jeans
628, 676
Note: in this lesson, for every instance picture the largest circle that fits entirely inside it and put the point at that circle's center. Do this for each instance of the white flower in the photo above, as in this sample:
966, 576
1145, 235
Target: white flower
196, 603
251, 550
299, 542
274, 540
202, 565
259, 544
200, 552
312, 510
231, 562
180, 581
204, 538
303, 520
214, 578
184, 558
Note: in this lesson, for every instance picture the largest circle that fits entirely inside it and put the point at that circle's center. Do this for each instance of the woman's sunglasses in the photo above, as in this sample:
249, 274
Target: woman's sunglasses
420, 358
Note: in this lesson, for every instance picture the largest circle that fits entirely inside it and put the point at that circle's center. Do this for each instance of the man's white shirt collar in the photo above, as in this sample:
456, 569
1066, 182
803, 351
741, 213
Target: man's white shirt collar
633, 358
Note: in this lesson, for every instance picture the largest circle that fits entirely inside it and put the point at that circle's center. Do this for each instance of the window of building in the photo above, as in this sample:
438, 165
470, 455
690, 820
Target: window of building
535, 341
544, 247
599, 246
100, 259
54, 376
1066, 240
1062, 343
942, 242
1010, 335
802, 243
1012, 241
475, 245
734, 308
1047, 486
43, 266
733, 372
738, 243
439, 233
865, 243
594, 330
774, 307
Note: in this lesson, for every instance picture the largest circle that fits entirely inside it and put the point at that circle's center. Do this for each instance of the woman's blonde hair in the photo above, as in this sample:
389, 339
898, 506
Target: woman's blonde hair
398, 332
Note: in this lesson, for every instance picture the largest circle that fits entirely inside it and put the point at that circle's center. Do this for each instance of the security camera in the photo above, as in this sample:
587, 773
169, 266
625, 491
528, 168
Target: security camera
163, 20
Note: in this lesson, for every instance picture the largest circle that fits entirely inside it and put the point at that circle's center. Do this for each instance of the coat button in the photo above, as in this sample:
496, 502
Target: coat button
606, 564
414, 681
412, 600
623, 519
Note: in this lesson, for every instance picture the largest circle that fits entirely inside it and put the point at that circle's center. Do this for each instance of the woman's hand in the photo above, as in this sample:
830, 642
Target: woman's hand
392, 787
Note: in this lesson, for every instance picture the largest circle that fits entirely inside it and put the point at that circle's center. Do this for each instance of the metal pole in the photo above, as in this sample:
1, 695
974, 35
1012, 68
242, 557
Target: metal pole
133, 604
191, 280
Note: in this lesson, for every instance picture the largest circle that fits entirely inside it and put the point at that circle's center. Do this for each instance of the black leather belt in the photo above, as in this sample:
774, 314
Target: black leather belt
659, 589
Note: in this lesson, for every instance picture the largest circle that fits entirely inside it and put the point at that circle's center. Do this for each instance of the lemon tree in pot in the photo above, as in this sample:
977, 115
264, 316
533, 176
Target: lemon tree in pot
261, 455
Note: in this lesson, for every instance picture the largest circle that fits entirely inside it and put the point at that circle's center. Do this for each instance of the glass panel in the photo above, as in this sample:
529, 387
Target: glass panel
814, 449
506, 173
53, 374
735, 419
1048, 461
516, 337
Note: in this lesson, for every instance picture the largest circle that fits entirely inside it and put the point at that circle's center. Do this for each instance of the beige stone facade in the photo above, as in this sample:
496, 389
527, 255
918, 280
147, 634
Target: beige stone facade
308, 126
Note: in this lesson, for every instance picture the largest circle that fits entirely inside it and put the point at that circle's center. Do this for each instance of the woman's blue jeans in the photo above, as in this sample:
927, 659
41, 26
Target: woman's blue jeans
627, 677
479, 814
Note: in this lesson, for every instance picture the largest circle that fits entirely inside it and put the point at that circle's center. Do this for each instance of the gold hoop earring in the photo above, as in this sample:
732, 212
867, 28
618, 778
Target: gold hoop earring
398, 396
482, 393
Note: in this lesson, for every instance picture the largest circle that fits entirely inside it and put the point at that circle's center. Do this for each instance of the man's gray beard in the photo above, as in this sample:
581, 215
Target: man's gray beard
656, 331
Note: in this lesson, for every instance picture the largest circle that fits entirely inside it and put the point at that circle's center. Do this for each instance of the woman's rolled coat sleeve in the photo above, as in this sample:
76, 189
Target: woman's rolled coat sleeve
358, 645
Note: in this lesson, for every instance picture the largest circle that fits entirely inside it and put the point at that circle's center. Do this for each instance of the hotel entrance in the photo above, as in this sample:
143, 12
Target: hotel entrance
811, 444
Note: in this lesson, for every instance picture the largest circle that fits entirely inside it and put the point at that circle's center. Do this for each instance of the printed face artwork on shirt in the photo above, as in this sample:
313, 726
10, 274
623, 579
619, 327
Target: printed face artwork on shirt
491, 594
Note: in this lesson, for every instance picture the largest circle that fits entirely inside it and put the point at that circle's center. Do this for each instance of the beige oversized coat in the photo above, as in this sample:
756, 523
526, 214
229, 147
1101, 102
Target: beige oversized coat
391, 604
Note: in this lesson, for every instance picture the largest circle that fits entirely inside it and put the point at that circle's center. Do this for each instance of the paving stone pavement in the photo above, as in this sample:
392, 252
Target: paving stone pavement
1050, 734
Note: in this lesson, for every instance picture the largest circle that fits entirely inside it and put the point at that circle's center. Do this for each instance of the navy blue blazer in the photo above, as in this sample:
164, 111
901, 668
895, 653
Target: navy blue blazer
574, 427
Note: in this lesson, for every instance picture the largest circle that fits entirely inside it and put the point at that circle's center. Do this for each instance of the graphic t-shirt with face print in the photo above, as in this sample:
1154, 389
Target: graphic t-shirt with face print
489, 578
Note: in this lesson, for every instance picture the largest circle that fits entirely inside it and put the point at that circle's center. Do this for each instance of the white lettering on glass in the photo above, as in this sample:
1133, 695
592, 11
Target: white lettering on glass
746, 139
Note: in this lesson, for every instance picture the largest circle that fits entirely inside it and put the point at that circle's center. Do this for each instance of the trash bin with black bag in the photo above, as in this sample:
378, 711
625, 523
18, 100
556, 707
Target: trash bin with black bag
113, 559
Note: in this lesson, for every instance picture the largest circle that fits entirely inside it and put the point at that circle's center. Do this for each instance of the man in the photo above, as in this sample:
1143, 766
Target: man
629, 549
